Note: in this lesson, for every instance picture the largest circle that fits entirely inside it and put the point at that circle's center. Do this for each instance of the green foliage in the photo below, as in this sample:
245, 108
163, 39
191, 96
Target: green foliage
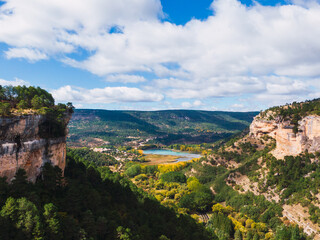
51, 217
289, 174
289, 233
89, 203
13, 100
100, 159
173, 177
221, 225
200, 200
24, 215
4, 109
133, 171
296, 111
26, 97
193, 184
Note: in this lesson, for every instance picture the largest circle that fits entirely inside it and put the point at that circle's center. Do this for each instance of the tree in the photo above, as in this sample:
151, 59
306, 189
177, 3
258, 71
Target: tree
221, 225
193, 184
238, 235
173, 177
52, 221
124, 233
133, 170
36, 102
200, 200
24, 214
4, 109
23, 104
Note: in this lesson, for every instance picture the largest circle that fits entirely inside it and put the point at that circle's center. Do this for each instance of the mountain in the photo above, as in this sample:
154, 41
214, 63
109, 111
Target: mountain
165, 127
272, 174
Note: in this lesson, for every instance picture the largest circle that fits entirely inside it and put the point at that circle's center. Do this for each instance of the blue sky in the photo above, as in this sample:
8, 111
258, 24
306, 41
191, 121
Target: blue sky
170, 54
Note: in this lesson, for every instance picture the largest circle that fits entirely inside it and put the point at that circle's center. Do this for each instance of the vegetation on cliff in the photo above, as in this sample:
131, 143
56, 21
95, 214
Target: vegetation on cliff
292, 112
21, 98
301, 109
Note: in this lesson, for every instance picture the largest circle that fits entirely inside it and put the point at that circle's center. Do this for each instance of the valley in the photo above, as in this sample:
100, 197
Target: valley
243, 182
265, 181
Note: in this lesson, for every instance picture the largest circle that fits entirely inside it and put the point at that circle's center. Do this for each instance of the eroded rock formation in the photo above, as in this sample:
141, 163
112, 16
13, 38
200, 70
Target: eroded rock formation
29, 142
287, 142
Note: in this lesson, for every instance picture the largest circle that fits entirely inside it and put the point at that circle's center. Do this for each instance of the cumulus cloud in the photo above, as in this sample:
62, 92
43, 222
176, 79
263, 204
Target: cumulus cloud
259, 50
125, 78
30, 54
15, 82
104, 95
195, 104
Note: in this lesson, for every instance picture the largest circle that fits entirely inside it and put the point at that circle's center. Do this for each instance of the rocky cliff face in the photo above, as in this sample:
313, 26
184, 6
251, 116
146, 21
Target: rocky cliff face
287, 142
23, 144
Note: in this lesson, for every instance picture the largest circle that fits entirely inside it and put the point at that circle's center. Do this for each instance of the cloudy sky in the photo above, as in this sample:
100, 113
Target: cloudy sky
168, 54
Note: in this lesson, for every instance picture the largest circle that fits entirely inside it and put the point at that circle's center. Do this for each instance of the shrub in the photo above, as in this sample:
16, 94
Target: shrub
173, 177
133, 171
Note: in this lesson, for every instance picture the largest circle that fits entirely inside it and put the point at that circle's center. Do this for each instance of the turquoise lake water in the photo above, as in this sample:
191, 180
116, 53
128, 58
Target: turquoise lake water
183, 156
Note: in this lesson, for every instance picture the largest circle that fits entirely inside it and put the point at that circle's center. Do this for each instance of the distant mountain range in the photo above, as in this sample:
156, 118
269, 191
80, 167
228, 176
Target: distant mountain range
98, 127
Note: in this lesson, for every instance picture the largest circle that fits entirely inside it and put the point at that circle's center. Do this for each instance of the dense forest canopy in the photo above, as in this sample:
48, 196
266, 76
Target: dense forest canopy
89, 202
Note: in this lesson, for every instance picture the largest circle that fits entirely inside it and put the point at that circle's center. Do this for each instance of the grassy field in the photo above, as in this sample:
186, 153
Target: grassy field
154, 159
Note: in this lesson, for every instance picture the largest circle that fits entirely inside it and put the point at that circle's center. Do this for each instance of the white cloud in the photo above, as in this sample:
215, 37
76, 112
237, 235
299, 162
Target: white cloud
195, 104
30, 54
186, 105
104, 95
15, 82
258, 50
125, 78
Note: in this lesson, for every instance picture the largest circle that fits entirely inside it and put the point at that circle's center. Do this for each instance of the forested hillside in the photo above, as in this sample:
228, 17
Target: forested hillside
166, 127
87, 203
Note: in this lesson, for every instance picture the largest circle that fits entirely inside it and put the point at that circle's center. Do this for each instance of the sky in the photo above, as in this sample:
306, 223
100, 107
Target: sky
172, 54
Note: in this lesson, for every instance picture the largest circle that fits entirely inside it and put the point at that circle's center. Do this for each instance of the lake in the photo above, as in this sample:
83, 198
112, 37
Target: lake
183, 156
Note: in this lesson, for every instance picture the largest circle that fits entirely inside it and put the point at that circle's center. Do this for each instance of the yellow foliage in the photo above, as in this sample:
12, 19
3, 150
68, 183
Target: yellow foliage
193, 184
250, 223
159, 197
269, 235
182, 210
196, 217
219, 208
261, 227
164, 168
237, 225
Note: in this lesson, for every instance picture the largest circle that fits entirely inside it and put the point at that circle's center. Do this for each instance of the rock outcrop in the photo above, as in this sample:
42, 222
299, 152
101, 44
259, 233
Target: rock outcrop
29, 142
287, 142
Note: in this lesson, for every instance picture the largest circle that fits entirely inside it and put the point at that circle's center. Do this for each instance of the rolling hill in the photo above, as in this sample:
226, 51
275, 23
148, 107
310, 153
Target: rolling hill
166, 127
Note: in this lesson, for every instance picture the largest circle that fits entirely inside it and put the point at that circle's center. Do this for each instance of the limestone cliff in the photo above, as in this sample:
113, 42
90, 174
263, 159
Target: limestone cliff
28, 142
287, 142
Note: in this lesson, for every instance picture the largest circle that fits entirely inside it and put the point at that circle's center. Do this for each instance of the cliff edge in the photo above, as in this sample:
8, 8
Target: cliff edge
25, 143
292, 137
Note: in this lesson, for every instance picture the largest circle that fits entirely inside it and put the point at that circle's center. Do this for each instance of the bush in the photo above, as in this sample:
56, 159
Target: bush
133, 171
173, 177
200, 200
